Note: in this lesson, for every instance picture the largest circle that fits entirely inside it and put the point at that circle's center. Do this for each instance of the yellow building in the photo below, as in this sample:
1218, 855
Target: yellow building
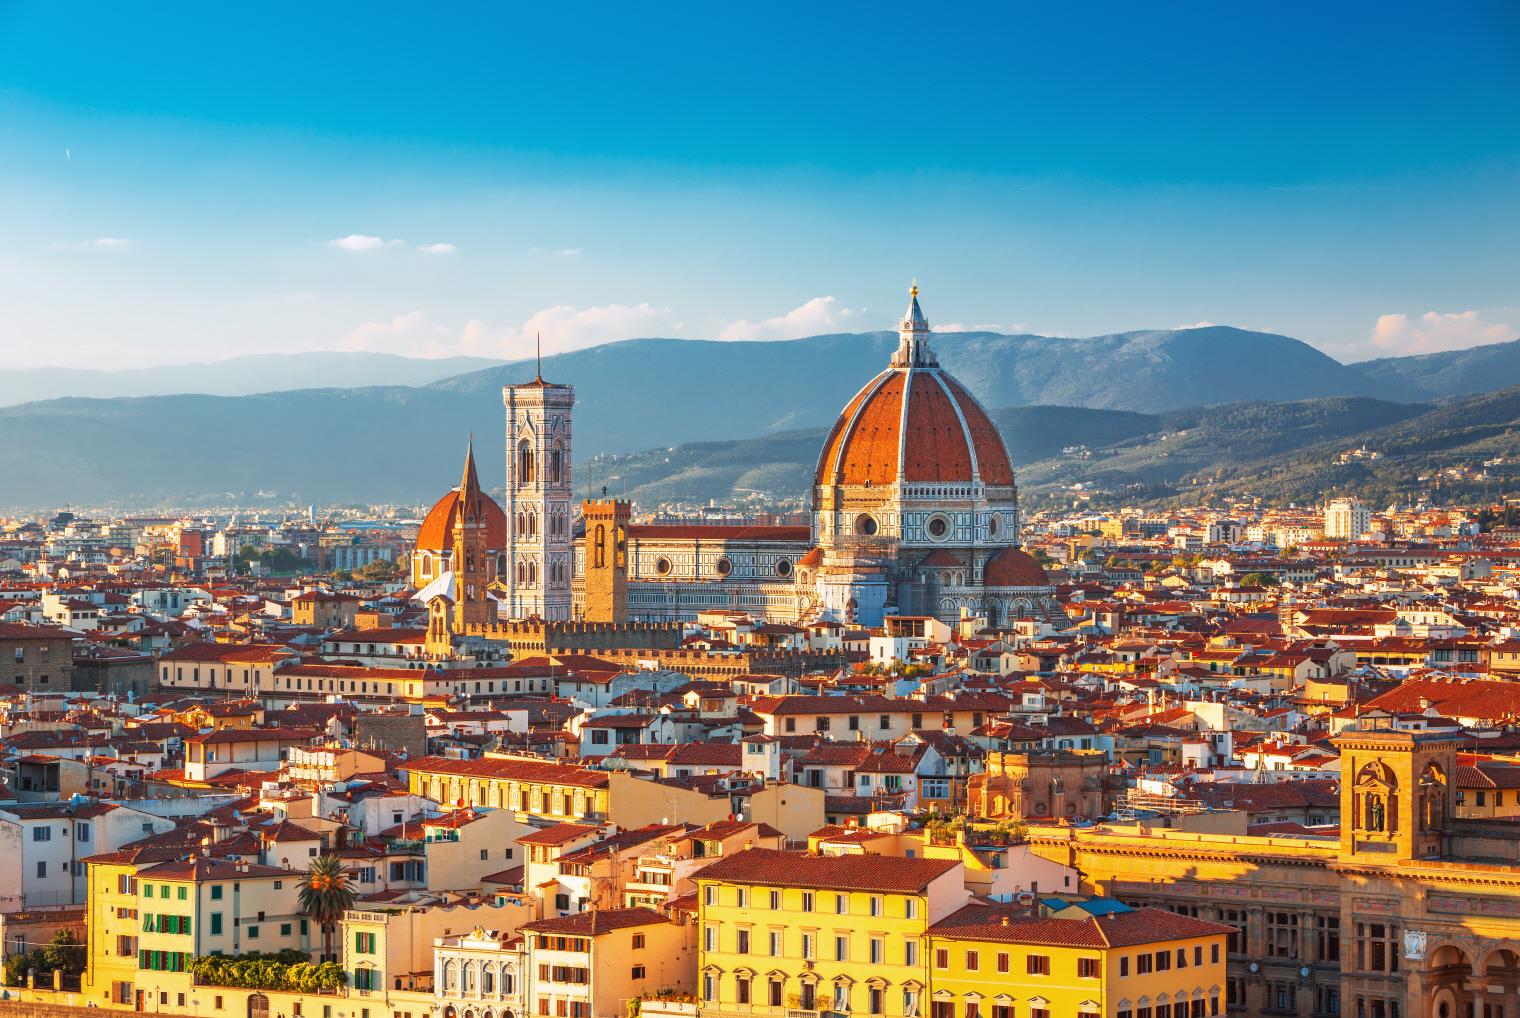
111, 917
150, 912
1001, 961
535, 788
786, 931
1412, 912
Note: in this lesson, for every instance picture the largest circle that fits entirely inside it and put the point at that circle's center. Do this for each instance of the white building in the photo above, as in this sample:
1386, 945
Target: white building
42, 846
1346, 520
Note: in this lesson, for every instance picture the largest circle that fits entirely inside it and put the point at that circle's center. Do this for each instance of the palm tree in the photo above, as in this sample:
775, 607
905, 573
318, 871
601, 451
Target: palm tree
325, 896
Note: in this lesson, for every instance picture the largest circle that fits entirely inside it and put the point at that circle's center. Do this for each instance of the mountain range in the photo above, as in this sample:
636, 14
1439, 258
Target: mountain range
757, 406
235, 376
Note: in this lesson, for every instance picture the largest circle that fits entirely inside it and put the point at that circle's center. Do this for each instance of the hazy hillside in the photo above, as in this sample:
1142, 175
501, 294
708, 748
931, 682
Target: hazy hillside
236, 376
735, 390
781, 466
401, 443
1190, 449
1454, 440
1453, 373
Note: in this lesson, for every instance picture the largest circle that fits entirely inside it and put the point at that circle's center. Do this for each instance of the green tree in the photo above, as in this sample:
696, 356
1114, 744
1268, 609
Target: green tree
380, 571
325, 895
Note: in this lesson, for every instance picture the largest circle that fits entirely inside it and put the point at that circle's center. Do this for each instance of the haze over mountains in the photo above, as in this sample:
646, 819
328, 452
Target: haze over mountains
236, 376
401, 443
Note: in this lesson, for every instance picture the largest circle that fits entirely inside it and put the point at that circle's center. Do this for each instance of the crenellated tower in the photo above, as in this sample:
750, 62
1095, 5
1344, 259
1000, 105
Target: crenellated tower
538, 573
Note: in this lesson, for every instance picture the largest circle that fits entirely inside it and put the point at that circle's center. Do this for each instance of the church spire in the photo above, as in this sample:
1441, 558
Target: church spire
913, 336
469, 484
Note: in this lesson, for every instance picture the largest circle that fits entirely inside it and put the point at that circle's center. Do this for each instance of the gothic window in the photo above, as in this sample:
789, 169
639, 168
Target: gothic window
524, 462
554, 464
600, 547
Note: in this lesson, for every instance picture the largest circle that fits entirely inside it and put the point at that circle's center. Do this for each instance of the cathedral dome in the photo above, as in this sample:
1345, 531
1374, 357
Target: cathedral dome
1014, 567
437, 531
914, 424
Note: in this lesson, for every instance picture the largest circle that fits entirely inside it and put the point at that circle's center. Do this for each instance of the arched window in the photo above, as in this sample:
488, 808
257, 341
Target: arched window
449, 975
555, 459
599, 547
524, 462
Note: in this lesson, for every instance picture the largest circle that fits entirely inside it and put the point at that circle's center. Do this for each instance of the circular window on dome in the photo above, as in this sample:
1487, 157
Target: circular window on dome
938, 527
662, 566
992, 526
784, 568
723, 566
865, 524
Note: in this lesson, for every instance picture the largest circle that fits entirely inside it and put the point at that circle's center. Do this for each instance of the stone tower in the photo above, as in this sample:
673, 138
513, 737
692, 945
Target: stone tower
472, 604
606, 560
1395, 793
537, 577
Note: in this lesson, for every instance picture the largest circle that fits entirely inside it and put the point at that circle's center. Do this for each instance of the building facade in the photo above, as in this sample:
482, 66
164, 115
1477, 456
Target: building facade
538, 501
1410, 912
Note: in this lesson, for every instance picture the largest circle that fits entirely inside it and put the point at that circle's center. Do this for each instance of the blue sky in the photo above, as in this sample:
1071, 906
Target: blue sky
191, 182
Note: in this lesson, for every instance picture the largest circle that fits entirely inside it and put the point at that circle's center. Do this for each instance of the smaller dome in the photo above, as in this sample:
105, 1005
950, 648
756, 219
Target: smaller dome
437, 530
1014, 567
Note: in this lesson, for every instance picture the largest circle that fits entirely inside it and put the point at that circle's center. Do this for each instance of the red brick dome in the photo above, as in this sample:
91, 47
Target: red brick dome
437, 530
1014, 567
915, 424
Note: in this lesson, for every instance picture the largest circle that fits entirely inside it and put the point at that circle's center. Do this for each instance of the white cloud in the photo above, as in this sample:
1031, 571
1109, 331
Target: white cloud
1194, 325
1433, 331
819, 315
360, 242
411, 335
437, 248
557, 252
563, 327
97, 243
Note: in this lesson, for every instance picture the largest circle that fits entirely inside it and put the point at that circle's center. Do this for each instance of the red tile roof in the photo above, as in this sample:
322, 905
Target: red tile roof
1010, 924
511, 770
888, 874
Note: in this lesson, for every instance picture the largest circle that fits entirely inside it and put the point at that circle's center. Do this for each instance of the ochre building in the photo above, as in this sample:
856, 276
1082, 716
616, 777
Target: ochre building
1410, 912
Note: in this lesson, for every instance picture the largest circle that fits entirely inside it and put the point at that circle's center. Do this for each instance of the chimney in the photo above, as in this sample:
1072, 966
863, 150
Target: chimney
1034, 899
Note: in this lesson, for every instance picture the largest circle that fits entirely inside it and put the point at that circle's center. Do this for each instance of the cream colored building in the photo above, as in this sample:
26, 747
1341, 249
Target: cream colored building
591, 964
